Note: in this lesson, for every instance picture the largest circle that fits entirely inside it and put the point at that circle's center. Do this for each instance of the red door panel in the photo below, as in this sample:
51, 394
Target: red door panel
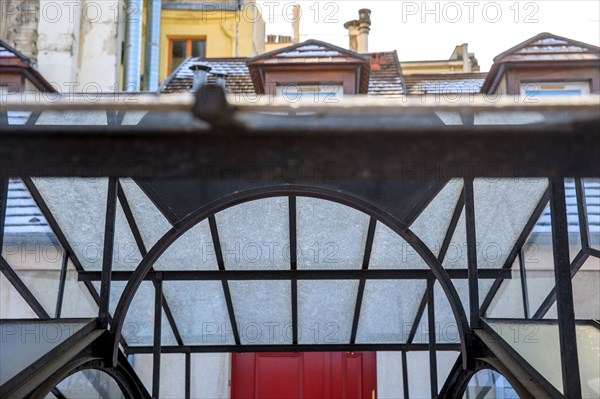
308, 375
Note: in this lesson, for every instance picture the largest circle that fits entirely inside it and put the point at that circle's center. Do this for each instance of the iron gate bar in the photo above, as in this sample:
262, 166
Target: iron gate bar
475, 317
564, 289
293, 264
107, 253
431, 334
14, 279
361, 284
61, 284
330, 274
361, 154
137, 236
594, 252
518, 246
188, 375
156, 349
582, 214
550, 299
524, 293
293, 348
405, 375
221, 263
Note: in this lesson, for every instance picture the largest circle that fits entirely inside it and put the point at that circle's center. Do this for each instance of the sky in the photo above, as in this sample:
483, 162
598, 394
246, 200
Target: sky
429, 30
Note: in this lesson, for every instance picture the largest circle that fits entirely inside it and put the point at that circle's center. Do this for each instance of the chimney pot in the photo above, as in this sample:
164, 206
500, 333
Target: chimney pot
200, 75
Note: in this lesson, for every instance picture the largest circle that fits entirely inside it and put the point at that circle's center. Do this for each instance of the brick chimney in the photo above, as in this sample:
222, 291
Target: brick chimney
358, 31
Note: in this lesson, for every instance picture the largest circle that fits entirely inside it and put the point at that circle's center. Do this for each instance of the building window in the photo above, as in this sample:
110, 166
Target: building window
543, 89
180, 49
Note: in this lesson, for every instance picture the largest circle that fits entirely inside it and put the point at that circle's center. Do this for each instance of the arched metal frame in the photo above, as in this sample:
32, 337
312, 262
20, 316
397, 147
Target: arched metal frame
128, 384
211, 209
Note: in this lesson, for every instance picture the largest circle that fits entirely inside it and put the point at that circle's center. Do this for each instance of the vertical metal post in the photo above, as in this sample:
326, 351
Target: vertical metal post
472, 254
582, 213
523, 274
158, 296
188, 375
107, 254
431, 324
405, 375
564, 290
293, 266
61, 284
3, 201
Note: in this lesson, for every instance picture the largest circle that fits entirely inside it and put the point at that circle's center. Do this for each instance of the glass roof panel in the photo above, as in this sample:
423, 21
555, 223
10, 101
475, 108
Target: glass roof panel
537, 343
77, 299
194, 250
508, 301
330, 235
12, 304
388, 309
390, 251
592, 198
433, 222
90, 384
263, 311
138, 328
326, 311
24, 342
200, 312
417, 365
79, 207
255, 235
150, 221
126, 255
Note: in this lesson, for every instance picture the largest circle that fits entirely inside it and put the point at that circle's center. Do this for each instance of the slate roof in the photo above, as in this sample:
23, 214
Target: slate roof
385, 78
22, 214
444, 83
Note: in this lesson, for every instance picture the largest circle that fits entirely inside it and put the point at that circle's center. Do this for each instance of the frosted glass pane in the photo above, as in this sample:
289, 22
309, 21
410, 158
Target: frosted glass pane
445, 362
77, 299
150, 221
24, 343
200, 312
388, 310
79, 207
502, 208
417, 365
90, 384
263, 311
330, 235
255, 235
537, 343
432, 223
325, 311
390, 251
138, 329
12, 304
194, 250
445, 323
572, 219
508, 301
588, 349
172, 376
586, 289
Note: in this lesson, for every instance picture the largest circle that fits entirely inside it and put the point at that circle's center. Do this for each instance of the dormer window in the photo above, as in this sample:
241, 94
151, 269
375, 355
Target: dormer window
312, 69
543, 89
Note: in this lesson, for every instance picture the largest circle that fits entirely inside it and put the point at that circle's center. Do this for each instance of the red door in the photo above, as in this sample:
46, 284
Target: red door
307, 375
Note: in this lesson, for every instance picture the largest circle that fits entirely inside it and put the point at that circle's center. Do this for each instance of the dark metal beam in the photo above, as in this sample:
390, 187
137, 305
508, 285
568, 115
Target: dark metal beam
431, 335
361, 153
292, 348
156, 349
405, 375
221, 263
361, 284
582, 214
61, 284
564, 289
107, 253
524, 293
293, 264
475, 318
188, 375
337, 274
533, 219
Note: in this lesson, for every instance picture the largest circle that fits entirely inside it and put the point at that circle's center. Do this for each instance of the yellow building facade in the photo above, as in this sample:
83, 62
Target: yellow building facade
209, 33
